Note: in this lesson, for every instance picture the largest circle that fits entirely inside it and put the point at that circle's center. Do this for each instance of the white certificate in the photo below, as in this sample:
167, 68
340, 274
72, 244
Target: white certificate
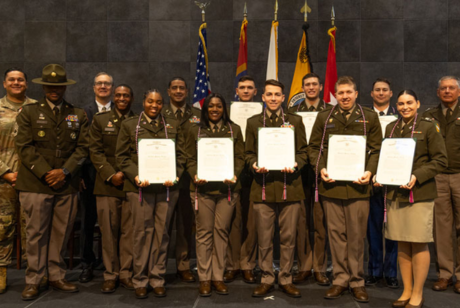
308, 119
276, 148
395, 162
157, 160
215, 159
346, 157
240, 112
385, 120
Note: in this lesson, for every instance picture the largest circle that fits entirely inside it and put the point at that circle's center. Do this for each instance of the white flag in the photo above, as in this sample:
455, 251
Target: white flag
272, 64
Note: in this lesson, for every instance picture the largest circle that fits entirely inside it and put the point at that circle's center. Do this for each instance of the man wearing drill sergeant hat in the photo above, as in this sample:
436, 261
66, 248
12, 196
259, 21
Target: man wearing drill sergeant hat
52, 145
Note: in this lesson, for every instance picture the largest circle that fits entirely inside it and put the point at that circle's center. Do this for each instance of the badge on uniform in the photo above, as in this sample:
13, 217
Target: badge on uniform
361, 121
168, 126
41, 116
73, 136
69, 124
287, 125
194, 120
41, 134
110, 124
72, 118
116, 120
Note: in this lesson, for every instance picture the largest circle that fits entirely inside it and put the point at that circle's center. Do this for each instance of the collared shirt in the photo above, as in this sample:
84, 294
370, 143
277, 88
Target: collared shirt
384, 111
217, 126
269, 113
157, 119
100, 106
349, 110
314, 105
174, 109
444, 108
53, 105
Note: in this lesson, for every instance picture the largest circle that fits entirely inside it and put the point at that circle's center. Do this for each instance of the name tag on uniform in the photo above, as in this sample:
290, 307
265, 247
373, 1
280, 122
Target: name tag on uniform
42, 122
111, 129
330, 126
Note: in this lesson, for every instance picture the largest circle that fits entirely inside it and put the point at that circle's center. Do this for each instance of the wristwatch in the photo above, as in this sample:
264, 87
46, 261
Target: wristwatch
65, 171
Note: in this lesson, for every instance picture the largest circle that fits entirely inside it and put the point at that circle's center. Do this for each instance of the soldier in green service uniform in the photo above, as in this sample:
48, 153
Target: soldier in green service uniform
52, 145
15, 84
114, 213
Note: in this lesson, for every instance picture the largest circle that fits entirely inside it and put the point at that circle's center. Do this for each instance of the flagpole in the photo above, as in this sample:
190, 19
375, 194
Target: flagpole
333, 16
203, 6
305, 13
245, 12
276, 10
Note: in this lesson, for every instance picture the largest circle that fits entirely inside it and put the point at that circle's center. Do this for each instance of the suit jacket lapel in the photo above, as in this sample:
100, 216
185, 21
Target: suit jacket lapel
338, 116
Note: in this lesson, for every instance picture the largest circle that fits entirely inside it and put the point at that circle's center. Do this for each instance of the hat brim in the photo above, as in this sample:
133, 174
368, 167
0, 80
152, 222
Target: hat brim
40, 81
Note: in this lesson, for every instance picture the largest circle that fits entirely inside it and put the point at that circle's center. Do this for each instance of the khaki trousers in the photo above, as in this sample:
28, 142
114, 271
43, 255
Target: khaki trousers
49, 220
213, 220
446, 217
116, 223
288, 215
249, 246
151, 221
234, 239
347, 226
184, 230
306, 259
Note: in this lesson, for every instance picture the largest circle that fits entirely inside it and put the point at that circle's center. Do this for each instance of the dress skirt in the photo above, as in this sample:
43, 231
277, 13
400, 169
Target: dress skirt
410, 222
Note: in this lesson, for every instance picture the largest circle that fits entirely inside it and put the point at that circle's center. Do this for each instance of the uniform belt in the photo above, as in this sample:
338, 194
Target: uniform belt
55, 153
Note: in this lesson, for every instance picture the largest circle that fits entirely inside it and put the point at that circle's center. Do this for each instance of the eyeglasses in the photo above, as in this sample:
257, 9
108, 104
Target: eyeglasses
103, 83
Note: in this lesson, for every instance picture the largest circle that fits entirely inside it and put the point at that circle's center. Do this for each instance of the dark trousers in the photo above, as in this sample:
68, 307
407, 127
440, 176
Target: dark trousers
88, 214
377, 266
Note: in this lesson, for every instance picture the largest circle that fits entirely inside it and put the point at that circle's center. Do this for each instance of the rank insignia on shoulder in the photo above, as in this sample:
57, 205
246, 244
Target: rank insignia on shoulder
288, 125
194, 119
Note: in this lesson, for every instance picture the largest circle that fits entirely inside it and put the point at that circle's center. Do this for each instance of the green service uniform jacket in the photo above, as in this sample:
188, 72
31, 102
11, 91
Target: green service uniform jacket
190, 117
302, 107
45, 143
338, 126
102, 145
451, 134
8, 129
430, 158
214, 188
126, 152
274, 180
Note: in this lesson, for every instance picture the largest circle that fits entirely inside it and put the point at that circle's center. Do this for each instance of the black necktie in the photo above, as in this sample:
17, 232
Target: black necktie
448, 114
56, 112
273, 117
312, 108
381, 113
345, 114
215, 129
179, 115
104, 109
154, 123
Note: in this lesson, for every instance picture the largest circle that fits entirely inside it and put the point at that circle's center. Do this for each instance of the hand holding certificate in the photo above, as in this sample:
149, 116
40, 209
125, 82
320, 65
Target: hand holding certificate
276, 149
215, 160
346, 158
240, 112
395, 162
157, 162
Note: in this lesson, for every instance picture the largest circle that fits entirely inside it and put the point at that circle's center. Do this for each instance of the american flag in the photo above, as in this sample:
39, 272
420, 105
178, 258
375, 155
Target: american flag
202, 83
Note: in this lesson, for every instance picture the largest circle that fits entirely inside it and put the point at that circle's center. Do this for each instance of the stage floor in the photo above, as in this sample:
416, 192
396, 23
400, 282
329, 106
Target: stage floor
186, 295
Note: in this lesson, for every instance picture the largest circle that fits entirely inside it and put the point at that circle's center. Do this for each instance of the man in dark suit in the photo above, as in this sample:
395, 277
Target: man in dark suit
52, 143
185, 114
378, 267
102, 87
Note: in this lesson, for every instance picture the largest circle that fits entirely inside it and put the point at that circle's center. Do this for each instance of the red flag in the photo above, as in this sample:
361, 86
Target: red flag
331, 70
242, 64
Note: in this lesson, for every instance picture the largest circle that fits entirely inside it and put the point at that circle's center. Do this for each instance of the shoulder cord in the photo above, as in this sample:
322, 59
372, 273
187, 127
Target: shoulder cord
137, 150
196, 186
263, 176
411, 195
322, 145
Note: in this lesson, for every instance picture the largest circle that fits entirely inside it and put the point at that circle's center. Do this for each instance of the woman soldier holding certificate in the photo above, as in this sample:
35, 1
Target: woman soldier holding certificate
152, 204
410, 206
214, 202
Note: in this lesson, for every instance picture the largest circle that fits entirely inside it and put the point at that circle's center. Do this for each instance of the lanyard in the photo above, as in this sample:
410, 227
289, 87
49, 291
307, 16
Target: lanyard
137, 150
322, 145
411, 194
196, 186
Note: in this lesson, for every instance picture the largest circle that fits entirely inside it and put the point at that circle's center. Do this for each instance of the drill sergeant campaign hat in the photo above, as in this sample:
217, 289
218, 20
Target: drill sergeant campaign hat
54, 75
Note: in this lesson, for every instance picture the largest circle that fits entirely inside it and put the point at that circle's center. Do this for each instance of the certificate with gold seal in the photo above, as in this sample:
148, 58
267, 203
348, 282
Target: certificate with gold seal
346, 157
157, 160
215, 159
395, 161
276, 148
240, 112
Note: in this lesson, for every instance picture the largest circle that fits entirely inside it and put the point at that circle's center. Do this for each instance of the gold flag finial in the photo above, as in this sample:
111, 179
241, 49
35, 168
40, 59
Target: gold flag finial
203, 6
245, 12
276, 10
305, 10
333, 15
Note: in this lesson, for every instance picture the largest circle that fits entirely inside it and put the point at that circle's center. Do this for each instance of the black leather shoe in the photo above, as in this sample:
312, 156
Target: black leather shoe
372, 280
392, 282
86, 275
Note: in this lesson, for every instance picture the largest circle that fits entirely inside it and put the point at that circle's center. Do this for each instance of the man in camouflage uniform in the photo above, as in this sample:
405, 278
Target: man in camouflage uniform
15, 84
